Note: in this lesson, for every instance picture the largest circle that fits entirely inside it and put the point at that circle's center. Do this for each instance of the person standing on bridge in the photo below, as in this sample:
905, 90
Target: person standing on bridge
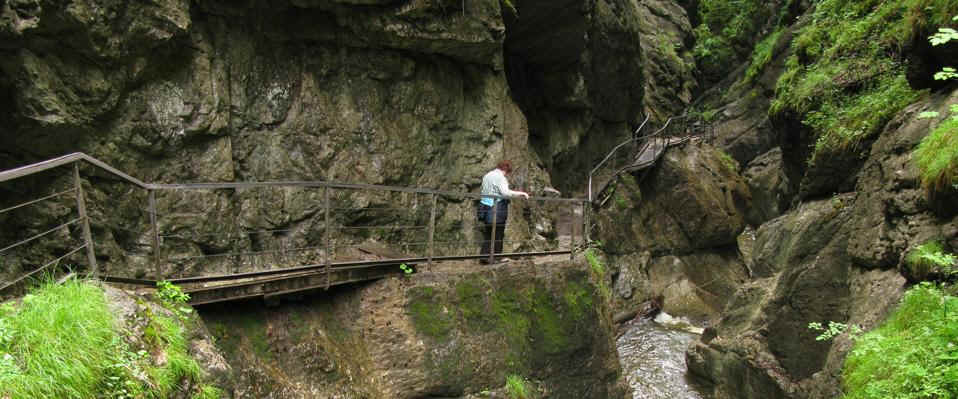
495, 184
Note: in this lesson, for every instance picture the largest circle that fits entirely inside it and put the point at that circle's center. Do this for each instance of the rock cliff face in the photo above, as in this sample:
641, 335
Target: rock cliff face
420, 93
736, 231
405, 93
799, 244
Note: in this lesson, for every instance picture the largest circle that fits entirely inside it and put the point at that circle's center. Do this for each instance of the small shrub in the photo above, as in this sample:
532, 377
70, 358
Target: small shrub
170, 293
406, 269
912, 354
928, 258
726, 34
834, 329
517, 387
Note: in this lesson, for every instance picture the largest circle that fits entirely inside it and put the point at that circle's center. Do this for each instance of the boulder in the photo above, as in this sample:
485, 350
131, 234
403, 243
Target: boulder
693, 199
448, 334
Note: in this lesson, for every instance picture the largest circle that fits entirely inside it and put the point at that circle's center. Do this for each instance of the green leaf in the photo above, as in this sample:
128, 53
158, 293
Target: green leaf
928, 114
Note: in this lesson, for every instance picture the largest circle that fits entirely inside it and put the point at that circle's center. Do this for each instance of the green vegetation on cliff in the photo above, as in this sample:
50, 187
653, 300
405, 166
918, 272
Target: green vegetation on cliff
726, 33
845, 78
929, 258
914, 354
937, 154
63, 341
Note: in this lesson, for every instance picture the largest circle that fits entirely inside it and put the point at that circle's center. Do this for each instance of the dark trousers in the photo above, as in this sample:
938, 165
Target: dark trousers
487, 238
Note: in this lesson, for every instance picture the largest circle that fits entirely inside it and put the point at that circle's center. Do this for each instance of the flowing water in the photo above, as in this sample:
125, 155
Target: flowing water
653, 357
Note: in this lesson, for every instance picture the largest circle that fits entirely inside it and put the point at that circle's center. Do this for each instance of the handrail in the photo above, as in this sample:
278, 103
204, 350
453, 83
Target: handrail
325, 184
616, 148
64, 160
79, 156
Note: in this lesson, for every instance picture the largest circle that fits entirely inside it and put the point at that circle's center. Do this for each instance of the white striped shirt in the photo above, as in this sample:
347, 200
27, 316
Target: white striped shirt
495, 183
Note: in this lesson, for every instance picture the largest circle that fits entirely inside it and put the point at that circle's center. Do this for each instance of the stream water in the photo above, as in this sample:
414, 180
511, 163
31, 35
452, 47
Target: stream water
653, 357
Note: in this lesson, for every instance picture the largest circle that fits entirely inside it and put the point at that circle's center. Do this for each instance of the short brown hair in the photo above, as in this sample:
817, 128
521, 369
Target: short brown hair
504, 165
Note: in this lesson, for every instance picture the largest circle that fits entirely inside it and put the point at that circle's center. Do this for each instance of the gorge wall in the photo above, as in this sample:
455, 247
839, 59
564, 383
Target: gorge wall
737, 230
405, 93
741, 230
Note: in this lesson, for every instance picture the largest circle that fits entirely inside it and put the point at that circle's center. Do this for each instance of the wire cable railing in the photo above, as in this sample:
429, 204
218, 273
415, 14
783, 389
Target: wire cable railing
176, 235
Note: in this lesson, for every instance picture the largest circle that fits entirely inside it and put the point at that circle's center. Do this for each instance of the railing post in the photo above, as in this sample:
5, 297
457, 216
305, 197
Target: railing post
432, 228
84, 220
327, 232
586, 215
156, 236
492, 235
572, 224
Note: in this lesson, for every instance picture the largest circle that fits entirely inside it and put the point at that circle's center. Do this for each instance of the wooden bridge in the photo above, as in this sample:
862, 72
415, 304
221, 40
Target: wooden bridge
338, 242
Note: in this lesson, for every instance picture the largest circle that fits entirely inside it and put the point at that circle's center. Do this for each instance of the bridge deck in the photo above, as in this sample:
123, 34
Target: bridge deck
277, 282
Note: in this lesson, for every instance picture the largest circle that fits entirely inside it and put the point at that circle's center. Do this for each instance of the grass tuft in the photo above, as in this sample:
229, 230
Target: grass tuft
57, 344
937, 157
517, 387
62, 341
761, 55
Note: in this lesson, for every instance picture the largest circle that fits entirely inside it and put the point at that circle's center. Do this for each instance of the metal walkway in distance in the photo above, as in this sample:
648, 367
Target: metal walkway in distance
641, 152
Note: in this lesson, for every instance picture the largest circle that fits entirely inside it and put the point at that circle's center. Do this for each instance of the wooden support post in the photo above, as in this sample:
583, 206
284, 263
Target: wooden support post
84, 220
432, 228
156, 237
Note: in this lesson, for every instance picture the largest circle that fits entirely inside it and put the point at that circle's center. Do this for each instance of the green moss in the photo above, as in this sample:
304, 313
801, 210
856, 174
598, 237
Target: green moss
552, 329
428, 314
845, 79
912, 354
533, 322
578, 300
937, 157
472, 303
727, 160
513, 322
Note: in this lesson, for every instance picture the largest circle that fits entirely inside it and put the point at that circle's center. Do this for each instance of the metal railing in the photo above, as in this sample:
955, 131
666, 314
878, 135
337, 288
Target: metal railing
212, 231
675, 130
